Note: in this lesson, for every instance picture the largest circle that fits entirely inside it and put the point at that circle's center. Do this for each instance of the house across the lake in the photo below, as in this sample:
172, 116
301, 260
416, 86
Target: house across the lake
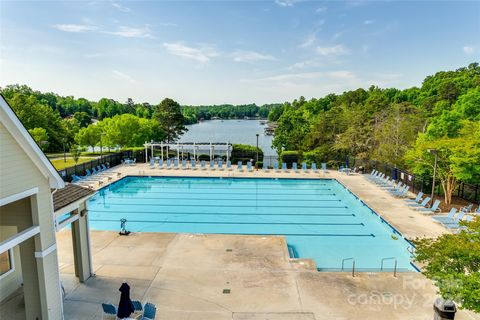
34, 204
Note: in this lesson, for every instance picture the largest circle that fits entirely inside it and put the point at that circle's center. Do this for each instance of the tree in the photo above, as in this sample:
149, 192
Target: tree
170, 118
89, 136
83, 118
40, 136
452, 261
75, 151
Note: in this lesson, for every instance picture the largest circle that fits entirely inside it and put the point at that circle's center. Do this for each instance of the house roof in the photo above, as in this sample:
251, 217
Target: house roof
15, 127
68, 195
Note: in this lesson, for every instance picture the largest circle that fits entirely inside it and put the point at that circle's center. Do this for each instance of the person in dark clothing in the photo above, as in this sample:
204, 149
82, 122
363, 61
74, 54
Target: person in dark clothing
125, 306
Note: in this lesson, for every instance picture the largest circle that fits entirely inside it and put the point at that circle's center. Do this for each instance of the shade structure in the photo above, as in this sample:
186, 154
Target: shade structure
125, 306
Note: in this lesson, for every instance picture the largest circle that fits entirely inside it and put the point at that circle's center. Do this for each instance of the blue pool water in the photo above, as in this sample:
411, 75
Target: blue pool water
321, 219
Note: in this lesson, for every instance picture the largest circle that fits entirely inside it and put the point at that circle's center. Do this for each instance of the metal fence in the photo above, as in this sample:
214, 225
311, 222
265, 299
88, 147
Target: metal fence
108, 160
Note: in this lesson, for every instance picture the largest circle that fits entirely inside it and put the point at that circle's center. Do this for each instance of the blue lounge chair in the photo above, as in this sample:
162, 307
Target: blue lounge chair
294, 167
149, 312
239, 166
417, 199
275, 166
284, 167
169, 164
314, 167
433, 209
175, 164
456, 225
160, 164
304, 167
324, 167
184, 164
229, 165
109, 310
265, 166
450, 218
402, 193
212, 165
220, 165
152, 163
372, 174
249, 166
193, 164
137, 305
424, 203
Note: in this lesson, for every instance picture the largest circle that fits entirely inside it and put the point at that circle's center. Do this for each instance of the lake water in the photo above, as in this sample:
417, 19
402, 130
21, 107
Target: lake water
233, 131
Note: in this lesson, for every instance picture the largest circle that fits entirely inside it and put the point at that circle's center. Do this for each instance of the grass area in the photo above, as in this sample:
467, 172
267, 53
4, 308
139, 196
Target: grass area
60, 164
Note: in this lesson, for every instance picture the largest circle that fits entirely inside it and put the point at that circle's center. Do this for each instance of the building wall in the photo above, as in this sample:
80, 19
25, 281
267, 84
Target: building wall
9, 283
17, 174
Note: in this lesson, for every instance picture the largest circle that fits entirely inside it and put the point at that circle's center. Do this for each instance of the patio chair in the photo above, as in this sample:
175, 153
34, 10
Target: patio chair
265, 166
417, 199
434, 208
372, 174
239, 166
424, 203
456, 224
275, 166
212, 165
229, 165
160, 164
109, 310
175, 164
202, 165
324, 167
304, 167
137, 305
220, 165
152, 163
314, 168
193, 164
249, 166
450, 218
169, 164
284, 167
184, 164
402, 193
149, 312
294, 167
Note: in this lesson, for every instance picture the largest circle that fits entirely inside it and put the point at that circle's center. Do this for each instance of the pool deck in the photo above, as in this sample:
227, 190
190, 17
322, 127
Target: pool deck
237, 277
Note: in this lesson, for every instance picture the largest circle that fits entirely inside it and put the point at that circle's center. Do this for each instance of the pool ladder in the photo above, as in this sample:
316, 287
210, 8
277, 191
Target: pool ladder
394, 268
353, 265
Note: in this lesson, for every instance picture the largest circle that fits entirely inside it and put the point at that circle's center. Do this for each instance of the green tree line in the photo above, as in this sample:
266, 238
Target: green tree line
401, 127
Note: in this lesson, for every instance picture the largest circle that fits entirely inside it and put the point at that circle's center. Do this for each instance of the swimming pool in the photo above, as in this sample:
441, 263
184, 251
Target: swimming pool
320, 219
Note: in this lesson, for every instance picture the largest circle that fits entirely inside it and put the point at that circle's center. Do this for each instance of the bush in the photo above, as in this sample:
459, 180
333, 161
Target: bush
317, 155
290, 157
244, 152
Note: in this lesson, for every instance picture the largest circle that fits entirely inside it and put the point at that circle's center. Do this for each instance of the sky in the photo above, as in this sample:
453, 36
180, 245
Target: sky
214, 52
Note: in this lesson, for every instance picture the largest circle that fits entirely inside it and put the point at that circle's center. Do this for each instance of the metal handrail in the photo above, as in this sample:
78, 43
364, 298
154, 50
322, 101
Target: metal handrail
353, 265
394, 268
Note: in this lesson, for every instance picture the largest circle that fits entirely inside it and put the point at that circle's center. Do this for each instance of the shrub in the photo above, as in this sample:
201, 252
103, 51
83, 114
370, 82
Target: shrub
290, 157
244, 152
317, 155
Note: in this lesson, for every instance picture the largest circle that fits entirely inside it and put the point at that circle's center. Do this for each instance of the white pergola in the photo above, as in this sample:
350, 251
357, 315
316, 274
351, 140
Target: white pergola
195, 148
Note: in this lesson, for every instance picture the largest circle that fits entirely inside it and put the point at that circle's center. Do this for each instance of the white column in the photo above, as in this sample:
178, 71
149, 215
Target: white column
194, 147
152, 148
210, 151
161, 146
227, 151
182, 151
178, 151
146, 152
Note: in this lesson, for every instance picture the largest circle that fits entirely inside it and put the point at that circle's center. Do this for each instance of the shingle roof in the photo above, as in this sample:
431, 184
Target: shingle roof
69, 194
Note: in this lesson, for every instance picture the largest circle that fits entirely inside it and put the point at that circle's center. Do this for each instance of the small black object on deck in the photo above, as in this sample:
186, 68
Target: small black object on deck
124, 231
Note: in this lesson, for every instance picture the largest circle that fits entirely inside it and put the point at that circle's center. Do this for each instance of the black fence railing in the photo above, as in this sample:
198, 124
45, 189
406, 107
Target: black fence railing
110, 160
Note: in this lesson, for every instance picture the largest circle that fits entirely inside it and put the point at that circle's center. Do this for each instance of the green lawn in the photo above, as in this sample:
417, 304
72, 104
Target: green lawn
60, 164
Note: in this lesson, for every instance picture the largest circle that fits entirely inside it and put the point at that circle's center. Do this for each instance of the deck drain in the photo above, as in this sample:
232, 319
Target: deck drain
226, 291
229, 250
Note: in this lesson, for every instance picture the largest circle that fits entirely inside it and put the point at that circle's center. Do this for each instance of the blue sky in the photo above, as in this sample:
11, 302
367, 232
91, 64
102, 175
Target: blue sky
205, 52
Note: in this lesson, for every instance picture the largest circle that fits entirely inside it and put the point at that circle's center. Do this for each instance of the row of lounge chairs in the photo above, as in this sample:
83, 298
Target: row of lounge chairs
147, 311
220, 165
98, 174
422, 204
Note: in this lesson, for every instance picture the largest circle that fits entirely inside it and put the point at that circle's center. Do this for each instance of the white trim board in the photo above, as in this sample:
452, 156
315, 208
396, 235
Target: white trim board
18, 238
46, 252
18, 196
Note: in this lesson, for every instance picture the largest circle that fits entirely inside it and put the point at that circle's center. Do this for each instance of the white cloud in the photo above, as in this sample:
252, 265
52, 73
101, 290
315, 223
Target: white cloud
201, 54
129, 32
469, 50
309, 41
75, 27
286, 3
367, 22
338, 35
121, 7
251, 56
123, 76
321, 9
168, 24
333, 50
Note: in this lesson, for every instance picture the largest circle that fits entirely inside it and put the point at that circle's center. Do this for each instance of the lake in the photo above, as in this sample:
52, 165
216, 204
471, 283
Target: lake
233, 131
